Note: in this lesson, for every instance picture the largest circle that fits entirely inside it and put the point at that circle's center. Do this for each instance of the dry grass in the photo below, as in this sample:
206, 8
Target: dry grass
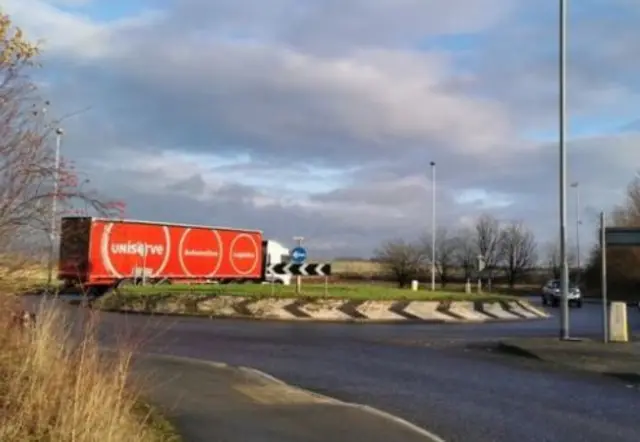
55, 385
20, 273
363, 268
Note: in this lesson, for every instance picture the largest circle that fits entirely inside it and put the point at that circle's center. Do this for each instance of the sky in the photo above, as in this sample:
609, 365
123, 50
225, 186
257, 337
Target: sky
320, 118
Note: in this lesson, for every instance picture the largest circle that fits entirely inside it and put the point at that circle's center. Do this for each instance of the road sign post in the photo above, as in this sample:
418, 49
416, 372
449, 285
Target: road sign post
298, 255
481, 264
603, 278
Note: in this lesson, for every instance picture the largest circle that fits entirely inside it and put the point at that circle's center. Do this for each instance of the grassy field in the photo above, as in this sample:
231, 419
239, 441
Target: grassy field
21, 274
342, 291
362, 268
58, 390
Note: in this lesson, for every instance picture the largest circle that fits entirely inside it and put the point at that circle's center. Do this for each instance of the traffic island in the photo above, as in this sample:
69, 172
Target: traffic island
345, 304
621, 361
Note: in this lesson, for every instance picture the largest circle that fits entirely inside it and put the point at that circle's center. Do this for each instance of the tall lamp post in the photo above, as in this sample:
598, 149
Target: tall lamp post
576, 186
562, 132
433, 226
54, 204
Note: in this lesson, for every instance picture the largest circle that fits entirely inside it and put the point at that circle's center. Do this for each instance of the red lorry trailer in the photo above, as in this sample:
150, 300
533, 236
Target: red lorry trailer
103, 253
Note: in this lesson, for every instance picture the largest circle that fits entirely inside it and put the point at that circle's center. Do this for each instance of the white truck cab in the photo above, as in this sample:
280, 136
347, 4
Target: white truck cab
276, 254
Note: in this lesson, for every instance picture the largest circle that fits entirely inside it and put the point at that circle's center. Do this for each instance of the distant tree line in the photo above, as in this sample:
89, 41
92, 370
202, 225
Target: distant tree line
512, 255
509, 250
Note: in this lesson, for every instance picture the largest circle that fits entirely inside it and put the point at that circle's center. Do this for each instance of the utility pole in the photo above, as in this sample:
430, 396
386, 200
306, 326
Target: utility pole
54, 205
562, 129
433, 226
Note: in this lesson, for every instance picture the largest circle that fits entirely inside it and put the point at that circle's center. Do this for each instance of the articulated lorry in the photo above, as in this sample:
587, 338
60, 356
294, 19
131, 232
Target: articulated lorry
101, 254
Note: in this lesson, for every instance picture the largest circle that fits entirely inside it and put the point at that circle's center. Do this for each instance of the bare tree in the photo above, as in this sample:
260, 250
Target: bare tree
28, 168
445, 259
518, 249
623, 263
553, 259
488, 237
466, 252
402, 260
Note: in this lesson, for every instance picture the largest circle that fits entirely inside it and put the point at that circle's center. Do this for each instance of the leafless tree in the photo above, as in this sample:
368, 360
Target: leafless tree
518, 249
402, 260
488, 237
623, 263
553, 259
466, 252
27, 161
445, 259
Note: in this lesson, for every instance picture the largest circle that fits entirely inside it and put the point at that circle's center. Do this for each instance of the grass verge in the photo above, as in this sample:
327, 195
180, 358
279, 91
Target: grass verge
320, 291
56, 385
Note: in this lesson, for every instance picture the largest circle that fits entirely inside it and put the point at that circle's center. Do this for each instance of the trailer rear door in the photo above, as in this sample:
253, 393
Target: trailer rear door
74, 249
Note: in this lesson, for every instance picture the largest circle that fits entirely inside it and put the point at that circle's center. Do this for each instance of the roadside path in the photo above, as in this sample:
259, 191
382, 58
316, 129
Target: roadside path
215, 402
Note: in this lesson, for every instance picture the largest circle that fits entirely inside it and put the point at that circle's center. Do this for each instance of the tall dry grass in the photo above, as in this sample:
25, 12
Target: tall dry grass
56, 385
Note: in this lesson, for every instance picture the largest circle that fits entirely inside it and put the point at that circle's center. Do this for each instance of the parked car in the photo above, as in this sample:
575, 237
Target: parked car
551, 294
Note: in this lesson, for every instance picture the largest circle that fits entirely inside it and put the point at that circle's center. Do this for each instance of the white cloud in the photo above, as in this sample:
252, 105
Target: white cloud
321, 118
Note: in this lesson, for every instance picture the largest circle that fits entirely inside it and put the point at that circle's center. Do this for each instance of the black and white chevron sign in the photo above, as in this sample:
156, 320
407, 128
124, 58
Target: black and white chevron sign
305, 269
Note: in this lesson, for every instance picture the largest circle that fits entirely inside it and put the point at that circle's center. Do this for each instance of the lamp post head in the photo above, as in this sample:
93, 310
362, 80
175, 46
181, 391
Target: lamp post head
433, 163
59, 131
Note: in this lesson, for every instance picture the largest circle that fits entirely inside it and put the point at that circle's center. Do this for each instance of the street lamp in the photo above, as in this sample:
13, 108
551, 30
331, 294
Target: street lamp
562, 132
433, 226
576, 186
298, 240
54, 203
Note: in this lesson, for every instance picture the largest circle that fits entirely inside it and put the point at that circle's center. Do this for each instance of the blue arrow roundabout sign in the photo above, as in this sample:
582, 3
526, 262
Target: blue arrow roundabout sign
299, 255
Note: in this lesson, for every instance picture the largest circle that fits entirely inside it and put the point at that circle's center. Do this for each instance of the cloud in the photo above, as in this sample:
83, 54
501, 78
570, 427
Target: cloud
321, 117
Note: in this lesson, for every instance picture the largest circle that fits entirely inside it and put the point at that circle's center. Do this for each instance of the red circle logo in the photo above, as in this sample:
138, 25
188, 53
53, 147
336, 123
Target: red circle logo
244, 252
200, 252
131, 250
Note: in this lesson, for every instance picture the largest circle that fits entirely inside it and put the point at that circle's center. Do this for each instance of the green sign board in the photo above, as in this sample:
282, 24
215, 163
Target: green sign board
622, 236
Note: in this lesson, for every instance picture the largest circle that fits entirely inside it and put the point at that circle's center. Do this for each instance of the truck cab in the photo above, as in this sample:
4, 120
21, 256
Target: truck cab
276, 253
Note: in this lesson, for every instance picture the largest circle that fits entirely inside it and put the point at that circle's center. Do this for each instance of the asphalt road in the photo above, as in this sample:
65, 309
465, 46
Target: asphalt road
423, 373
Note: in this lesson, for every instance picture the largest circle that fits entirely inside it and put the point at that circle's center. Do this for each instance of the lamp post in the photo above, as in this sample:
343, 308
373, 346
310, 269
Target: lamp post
433, 226
562, 132
54, 203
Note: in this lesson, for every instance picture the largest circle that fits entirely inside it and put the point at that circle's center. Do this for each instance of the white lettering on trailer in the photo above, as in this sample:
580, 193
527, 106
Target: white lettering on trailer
137, 248
244, 255
109, 249
208, 253
215, 254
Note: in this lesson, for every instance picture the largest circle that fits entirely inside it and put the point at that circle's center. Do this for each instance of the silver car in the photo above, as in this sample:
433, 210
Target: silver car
551, 294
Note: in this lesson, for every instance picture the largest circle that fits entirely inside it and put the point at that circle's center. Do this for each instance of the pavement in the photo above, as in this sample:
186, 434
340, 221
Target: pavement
217, 402
619, 360
425, 374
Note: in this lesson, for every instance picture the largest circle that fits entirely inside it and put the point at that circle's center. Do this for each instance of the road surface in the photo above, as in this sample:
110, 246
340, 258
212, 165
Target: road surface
422, 373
